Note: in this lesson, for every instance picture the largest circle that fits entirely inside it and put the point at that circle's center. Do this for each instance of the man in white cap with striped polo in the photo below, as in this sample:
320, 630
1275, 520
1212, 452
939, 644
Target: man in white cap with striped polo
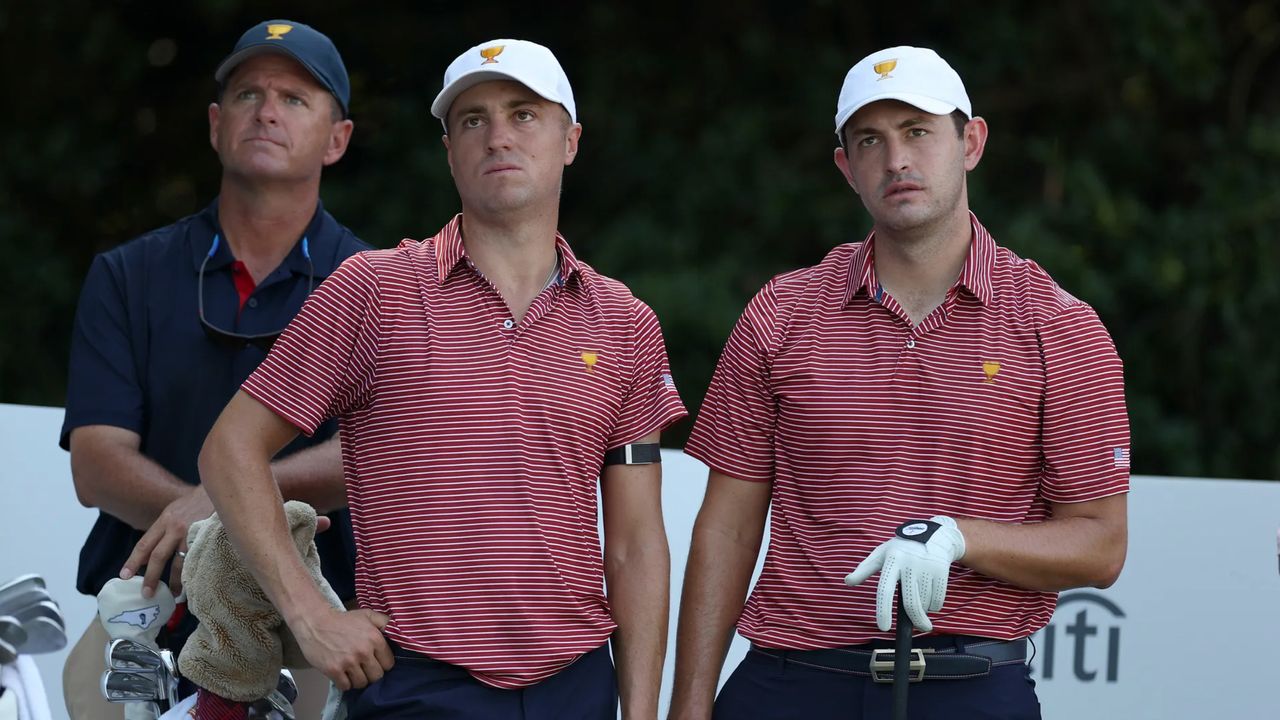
487, 382
924, 406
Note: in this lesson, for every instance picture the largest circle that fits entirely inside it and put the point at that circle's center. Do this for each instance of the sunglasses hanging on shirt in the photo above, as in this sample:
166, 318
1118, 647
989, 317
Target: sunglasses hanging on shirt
237, 341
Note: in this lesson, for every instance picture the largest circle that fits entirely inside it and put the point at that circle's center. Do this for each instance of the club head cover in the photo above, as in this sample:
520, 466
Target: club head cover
124, 613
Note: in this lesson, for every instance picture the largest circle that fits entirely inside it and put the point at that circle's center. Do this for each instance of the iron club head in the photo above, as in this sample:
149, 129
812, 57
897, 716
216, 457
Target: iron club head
120, 686
130, 656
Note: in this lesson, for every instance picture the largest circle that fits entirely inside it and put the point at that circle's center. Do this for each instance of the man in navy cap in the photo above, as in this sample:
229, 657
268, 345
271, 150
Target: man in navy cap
171, 323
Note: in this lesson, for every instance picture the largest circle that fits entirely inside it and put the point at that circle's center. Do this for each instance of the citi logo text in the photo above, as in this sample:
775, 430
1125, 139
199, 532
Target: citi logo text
1091, 637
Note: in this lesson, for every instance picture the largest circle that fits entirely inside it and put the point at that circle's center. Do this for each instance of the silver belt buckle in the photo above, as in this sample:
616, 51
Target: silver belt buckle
882, 668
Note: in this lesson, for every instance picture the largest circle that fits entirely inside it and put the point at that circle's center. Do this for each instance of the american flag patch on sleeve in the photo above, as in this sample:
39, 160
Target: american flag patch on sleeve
1121, 457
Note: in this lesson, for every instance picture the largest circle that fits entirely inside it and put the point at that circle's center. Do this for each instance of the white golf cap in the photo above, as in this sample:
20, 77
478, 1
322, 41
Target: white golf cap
916, 76
527, 63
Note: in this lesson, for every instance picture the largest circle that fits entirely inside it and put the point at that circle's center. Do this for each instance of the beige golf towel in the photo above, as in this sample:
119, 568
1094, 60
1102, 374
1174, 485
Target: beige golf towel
242, 641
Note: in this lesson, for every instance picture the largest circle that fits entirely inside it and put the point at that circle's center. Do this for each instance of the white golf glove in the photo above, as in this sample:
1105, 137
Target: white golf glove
920, 553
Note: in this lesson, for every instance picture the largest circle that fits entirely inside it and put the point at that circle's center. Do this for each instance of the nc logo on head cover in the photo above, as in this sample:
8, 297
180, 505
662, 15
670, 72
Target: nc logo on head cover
277, 31
884, 67
490, 54
141, 617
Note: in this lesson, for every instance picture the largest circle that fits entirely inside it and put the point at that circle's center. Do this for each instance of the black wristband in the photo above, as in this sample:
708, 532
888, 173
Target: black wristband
917, 530
634, 454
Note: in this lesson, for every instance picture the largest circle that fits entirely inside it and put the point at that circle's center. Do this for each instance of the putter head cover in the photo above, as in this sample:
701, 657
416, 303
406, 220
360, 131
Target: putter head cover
124, 613
242, 641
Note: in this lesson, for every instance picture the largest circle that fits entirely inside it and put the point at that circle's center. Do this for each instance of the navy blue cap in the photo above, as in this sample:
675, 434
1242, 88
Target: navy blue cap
301, 42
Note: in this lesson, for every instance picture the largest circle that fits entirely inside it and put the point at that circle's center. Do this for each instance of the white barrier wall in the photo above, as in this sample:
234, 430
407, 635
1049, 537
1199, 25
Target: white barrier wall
1187, 632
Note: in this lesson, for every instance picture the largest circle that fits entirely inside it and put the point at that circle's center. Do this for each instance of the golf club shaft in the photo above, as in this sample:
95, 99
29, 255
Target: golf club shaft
901, 662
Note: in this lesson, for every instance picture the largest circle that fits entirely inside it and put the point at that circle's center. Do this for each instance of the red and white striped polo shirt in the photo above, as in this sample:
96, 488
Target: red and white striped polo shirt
1008, 396
472, 444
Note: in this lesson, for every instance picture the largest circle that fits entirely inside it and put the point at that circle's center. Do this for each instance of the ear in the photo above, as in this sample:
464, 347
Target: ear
975, 141
571, 143
842, 162
448, 151
214, 112
339, 138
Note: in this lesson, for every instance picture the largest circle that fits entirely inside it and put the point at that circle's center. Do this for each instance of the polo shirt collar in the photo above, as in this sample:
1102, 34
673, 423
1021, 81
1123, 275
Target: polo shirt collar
322, 236
975, 276
450, 253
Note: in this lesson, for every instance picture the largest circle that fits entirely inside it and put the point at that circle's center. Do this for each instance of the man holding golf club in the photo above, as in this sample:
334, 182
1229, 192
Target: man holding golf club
491, 388
924, 408
171, 323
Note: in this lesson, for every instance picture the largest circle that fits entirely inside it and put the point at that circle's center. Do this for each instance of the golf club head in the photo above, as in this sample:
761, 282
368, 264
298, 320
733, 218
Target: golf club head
20, 599
286, 685
44, 608
22, 582
121, 686
131, 656
44, 635
272, 707
170, 663
170, 677
11, 631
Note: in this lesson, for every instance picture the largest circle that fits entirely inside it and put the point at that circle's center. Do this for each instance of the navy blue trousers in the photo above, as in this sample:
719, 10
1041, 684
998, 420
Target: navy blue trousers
764, 687
419, 687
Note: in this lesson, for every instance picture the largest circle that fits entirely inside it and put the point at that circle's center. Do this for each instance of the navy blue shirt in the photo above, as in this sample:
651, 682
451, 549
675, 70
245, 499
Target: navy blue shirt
140, 360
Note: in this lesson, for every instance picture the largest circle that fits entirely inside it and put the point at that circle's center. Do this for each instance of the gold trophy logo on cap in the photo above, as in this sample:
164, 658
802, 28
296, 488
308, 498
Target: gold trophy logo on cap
277, 32
884, 68
490, 53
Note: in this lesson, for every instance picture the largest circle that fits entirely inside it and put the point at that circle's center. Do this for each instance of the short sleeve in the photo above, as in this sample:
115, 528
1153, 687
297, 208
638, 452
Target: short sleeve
735, 428
652, 402
104, 380
1086, 426
323, 365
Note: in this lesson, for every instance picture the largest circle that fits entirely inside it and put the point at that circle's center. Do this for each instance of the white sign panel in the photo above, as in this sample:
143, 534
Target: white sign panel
1187, 632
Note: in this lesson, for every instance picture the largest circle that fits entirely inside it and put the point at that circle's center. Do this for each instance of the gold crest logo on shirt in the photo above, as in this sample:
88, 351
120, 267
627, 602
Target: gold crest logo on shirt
490, 54
589, 359
885, 67
990, 369
277, 31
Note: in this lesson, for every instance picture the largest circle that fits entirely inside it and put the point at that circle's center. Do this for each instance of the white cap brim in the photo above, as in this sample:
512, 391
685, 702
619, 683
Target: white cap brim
440, 106
933, 106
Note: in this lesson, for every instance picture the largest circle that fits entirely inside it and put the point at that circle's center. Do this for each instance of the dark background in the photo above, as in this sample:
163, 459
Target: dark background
1133, 153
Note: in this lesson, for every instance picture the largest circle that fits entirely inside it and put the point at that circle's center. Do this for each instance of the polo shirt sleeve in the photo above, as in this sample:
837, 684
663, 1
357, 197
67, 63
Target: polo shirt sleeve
1085, 430
735, 427
103, 384
652, 402
323, 364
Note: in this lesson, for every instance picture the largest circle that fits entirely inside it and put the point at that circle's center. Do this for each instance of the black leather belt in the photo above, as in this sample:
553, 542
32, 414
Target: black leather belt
927, 663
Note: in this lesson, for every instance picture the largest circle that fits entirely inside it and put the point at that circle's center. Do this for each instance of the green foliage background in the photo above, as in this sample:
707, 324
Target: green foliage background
1133, 153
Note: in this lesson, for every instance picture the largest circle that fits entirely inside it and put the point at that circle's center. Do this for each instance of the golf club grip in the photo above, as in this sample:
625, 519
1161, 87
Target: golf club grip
901, 661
